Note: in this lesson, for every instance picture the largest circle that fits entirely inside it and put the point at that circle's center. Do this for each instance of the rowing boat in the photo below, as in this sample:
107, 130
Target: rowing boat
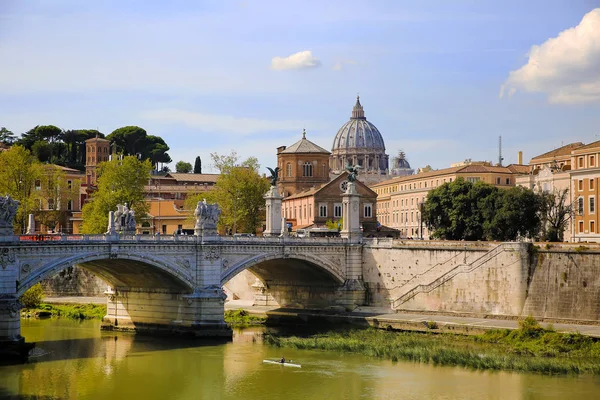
287, 364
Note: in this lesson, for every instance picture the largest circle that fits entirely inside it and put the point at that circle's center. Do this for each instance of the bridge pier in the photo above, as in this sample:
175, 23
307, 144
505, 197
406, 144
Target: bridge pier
160, 311
12, 344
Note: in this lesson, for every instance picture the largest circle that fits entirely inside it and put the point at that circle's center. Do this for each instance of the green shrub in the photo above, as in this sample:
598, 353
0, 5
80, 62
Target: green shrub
33, 296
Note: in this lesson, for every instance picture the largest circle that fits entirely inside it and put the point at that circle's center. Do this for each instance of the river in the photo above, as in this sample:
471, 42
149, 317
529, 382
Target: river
74, 360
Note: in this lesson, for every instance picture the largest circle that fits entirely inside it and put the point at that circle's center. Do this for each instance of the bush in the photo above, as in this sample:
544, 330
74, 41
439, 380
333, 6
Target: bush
33, 296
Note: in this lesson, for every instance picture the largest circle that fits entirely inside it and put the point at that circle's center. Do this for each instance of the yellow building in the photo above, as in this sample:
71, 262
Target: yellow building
585, 173
399, 200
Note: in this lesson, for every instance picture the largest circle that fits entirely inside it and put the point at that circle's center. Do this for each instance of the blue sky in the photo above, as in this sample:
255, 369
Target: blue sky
440, 79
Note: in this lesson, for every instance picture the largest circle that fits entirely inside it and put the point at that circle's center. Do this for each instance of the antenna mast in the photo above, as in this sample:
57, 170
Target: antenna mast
500, 151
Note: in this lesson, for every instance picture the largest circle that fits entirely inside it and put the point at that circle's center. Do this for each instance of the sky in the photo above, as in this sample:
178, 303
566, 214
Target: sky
440, 79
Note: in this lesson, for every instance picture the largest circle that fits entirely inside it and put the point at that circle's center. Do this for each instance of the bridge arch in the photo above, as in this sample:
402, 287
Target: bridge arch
330, 269
158, 272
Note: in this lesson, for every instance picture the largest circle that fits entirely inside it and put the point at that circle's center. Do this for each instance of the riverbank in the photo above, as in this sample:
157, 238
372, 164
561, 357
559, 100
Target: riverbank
530, 348
72, 311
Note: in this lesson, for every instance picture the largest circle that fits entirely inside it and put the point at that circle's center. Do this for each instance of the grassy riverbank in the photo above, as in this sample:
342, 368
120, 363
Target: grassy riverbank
73, 311
529, 348
240, 318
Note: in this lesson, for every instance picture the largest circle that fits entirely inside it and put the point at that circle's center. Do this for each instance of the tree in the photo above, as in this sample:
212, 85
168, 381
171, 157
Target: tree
198, 166
19, 170
6, 136
462, 210
119, 182
183, 167
134, 141
554, 214
52, 198
239, 192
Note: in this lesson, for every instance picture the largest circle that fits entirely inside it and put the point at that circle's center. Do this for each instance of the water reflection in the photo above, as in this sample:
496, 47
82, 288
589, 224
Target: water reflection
83, 363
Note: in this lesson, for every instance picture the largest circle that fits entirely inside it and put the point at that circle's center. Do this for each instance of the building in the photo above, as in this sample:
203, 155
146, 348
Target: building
97, 151
585, 173
314, 206
302, 165
550, 173
400, 199
359, 142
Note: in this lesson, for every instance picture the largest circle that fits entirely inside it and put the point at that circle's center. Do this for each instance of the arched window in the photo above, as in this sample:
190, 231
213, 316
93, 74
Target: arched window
288, 169
307, 169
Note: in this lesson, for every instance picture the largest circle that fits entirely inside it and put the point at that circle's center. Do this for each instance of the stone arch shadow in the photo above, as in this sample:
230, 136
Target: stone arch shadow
298, 280
126, 270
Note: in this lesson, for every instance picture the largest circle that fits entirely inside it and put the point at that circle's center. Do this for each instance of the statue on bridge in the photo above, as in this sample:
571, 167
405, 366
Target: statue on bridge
352, 172
274, 175
125, 219
207, 216
8, 210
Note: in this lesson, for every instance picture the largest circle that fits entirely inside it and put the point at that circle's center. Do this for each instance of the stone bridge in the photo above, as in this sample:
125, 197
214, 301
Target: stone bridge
174, 283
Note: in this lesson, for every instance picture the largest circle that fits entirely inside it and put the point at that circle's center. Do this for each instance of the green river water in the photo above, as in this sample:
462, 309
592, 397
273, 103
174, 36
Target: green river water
74, 360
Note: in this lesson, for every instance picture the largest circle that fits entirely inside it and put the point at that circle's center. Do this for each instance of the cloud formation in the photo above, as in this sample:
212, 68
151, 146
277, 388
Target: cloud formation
301, 60
566, 68
338, 65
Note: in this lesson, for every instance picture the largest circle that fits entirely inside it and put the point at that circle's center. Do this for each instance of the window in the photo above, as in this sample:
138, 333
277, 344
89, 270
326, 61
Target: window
592, 184
592, 205
69, 184
288, 169
580, 226
580, 206
300, 212
497, 181
337, 210
322, 210
580, 162
307, 169
580, 185
508, 181
50, 204
368, 210
70, 205
38, 184
592, 161
592, 227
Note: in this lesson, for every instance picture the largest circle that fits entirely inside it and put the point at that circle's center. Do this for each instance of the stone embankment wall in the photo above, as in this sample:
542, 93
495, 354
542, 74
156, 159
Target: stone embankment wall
462, 277
74, 281
565, 282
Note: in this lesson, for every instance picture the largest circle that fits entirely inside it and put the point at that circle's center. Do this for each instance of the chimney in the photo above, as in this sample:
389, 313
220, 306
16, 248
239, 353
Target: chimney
520, 158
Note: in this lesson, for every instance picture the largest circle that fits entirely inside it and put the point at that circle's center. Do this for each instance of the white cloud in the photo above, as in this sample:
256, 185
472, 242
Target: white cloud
338, 66
225, 123
566, 68
301, 60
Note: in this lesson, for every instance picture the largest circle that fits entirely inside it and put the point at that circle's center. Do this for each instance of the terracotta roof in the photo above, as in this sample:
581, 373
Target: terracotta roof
589, 146
304, 146
561, 151
409, 178
307, 192
519, 168
210, 178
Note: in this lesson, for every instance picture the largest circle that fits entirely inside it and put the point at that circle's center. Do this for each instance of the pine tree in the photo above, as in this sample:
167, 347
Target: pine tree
198, 166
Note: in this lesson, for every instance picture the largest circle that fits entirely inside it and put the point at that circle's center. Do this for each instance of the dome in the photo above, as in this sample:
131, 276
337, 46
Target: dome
358, 142
358, 133
400, 165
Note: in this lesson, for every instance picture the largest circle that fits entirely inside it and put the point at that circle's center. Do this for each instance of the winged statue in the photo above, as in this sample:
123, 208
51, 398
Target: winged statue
274, 175
352, 172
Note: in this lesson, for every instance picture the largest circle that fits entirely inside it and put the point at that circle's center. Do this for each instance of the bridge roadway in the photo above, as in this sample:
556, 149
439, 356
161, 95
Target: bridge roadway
174, 283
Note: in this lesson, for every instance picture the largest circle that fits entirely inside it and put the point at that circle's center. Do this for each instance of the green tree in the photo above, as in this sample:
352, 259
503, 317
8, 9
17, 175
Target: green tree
239, 191
198, 166
19, 170
183, 167
515, 214
119, 182
52, 198
42, 150
134, 141
6, 136
32, 298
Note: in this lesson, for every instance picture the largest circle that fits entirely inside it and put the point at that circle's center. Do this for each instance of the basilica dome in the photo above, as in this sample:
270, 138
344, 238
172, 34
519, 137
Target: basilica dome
358, 142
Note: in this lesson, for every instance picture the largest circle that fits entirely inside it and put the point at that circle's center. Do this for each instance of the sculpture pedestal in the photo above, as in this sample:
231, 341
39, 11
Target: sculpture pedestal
273, 208
351, 214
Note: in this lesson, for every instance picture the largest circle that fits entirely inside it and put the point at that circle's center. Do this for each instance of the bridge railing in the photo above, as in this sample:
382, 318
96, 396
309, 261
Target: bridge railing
61, 238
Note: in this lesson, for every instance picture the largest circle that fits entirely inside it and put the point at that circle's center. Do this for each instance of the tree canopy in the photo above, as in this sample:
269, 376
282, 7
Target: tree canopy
462, 210
198, 165
239, 192
6, 136
134, 141
183, 167
554, 213
119, 182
